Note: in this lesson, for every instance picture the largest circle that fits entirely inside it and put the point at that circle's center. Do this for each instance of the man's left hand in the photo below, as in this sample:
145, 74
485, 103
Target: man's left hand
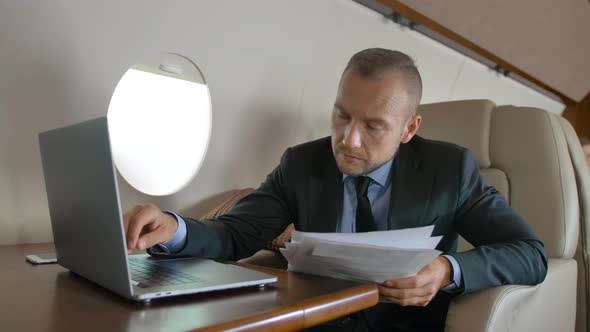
420, 289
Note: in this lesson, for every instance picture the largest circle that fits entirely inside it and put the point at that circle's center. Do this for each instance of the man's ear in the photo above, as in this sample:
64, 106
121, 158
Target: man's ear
411, 128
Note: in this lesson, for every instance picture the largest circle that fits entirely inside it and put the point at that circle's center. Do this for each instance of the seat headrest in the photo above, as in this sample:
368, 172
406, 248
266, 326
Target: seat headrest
465, 122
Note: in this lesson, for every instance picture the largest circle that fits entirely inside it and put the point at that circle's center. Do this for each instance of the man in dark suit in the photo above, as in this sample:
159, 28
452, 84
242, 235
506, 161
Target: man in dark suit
372, 173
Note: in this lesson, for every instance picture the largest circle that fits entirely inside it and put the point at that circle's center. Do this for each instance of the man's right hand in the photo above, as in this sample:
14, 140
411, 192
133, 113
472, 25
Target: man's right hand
147, 225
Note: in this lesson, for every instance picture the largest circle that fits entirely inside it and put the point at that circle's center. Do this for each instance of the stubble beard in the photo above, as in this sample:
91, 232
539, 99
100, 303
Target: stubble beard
339, 157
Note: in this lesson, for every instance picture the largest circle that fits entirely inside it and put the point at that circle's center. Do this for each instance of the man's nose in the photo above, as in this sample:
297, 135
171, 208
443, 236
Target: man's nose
352, 136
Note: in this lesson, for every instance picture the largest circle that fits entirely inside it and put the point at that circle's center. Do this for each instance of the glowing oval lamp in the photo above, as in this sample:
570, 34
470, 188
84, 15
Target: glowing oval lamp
159, 122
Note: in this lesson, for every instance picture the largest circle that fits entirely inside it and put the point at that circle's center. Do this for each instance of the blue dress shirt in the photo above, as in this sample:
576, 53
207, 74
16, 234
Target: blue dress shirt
179, 238
379, 193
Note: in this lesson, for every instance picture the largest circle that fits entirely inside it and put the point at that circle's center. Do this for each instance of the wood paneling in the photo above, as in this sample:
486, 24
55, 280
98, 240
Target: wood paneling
545, 41
578, 115
459, 39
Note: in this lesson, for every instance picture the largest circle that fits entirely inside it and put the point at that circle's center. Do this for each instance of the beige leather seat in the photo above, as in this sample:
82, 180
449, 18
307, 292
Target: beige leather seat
583, 251
527, 154
533, 158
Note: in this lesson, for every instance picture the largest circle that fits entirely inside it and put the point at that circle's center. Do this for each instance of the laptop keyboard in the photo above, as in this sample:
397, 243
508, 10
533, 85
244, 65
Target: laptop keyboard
147, 274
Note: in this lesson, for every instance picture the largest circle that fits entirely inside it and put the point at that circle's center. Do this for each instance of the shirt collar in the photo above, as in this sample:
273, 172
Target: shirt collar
378, 175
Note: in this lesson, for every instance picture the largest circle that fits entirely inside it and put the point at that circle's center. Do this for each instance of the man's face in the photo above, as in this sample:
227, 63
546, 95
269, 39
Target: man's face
370, 120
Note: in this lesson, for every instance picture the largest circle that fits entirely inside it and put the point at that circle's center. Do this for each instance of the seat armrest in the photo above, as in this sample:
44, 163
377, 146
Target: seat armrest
549, 306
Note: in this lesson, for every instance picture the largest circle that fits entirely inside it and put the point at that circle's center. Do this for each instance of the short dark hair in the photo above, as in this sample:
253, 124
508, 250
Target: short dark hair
372, 63
584, 140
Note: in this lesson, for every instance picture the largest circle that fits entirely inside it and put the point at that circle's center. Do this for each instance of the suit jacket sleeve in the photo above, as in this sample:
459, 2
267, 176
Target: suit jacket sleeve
506, 249
252, 223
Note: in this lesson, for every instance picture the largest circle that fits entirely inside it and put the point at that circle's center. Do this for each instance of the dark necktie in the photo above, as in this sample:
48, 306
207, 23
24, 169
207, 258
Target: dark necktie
364, 215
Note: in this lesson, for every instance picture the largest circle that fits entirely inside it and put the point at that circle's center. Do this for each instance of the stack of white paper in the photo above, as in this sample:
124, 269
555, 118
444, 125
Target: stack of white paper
371, 256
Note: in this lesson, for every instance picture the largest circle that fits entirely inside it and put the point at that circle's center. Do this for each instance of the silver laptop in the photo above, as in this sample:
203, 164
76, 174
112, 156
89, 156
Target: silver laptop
88, 229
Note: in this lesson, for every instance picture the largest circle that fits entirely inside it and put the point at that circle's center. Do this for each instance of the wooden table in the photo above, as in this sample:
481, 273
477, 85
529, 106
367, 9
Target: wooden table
50, 298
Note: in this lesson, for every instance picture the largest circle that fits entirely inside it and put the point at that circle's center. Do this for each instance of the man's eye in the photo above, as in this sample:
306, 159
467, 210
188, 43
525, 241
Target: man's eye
342, 115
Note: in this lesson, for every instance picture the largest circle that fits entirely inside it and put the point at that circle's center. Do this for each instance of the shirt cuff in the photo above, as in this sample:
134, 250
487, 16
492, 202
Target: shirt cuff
178, 240
456, 284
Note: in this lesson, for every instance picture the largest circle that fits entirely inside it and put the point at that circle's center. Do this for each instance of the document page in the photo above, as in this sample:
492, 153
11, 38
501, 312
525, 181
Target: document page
371, 256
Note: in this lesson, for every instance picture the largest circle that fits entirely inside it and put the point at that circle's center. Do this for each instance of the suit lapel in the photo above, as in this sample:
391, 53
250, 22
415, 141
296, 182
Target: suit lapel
411, 186
326, 194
